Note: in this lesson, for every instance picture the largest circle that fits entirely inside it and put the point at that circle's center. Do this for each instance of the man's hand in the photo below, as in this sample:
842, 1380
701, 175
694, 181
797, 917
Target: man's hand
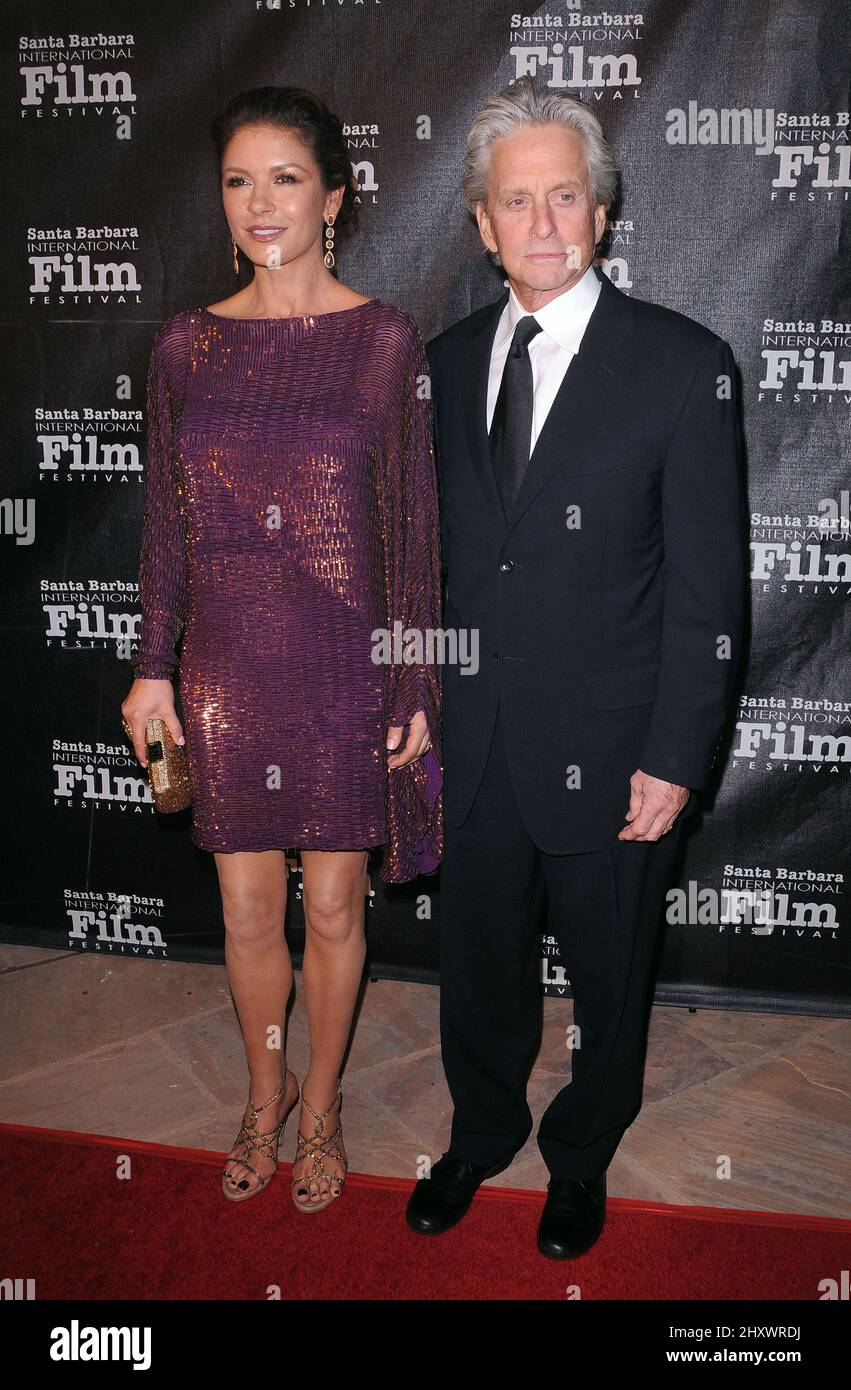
419, 741
653, 807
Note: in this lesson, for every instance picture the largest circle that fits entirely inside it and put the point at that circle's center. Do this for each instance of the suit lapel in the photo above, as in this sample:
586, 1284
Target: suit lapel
575, 413
473, 381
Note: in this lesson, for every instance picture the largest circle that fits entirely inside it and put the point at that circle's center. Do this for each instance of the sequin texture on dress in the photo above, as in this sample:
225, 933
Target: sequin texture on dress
290, 514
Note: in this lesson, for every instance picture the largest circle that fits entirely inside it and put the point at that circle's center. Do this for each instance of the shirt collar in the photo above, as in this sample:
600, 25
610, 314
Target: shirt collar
564, 318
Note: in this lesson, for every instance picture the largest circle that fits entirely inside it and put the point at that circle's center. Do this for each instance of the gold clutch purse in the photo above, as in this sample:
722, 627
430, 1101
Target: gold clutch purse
168, 768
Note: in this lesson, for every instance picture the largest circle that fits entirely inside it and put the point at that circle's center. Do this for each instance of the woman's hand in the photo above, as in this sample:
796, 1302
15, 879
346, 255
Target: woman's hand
149, 699
419, 741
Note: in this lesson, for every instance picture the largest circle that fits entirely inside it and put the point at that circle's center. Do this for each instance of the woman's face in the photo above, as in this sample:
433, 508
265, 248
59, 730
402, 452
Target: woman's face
273, 195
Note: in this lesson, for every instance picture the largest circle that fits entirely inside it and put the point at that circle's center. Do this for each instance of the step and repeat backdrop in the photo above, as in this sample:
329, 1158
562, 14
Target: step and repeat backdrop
730, 123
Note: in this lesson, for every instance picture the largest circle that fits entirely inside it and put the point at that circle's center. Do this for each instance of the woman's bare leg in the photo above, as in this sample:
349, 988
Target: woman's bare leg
254, 897
335, 889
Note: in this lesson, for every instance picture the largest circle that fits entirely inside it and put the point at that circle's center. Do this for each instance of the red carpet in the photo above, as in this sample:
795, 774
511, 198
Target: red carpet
167, 1232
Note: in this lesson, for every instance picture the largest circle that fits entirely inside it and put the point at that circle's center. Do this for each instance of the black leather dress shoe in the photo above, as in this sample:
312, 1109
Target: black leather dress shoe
440, 1200
573, 1216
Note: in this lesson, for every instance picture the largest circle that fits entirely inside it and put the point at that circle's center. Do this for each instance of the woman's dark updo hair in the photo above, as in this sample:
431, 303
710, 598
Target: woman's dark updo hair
294, 108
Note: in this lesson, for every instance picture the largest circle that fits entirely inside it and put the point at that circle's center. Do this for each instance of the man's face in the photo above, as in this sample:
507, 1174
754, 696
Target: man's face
540, 215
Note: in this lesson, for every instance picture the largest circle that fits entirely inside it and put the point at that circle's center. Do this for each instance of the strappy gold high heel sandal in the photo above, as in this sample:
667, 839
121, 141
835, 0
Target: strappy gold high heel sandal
264, 1142
319, 1147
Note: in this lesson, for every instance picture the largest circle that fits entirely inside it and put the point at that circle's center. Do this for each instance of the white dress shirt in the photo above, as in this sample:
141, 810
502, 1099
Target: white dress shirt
563, 321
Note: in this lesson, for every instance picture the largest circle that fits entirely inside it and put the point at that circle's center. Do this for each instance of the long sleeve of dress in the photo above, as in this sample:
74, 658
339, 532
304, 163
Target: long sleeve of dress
411, 530
162, 561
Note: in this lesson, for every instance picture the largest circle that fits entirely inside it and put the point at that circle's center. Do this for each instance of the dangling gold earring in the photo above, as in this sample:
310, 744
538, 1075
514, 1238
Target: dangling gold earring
235, 261
329, 244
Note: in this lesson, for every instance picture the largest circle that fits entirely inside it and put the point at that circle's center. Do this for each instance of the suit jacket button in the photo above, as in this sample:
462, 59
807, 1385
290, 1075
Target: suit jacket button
496, 656
506, 566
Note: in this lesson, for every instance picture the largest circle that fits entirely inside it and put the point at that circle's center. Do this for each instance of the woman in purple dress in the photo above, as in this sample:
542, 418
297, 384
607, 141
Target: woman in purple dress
290, 519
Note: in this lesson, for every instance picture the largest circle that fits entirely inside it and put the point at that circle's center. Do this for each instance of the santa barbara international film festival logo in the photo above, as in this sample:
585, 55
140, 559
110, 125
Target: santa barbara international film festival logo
805, 361
773, 901
792, 736
80, 264
803, 555
808, 154
91, 443
106, 778
589, 52
91, 615
77, 75
116, 924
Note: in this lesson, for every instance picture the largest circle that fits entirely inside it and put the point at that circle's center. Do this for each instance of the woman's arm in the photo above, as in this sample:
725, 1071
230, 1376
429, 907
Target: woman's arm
412, 540
411, 526
162, 562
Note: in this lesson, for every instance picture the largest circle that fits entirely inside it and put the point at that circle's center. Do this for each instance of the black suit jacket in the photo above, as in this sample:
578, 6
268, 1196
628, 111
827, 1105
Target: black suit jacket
604, 598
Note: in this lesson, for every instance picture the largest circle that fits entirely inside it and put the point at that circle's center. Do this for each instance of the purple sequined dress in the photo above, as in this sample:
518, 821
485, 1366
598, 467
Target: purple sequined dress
290, 512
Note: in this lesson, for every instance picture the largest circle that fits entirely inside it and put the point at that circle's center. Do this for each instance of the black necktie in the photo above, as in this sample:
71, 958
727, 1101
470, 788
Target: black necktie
511, 428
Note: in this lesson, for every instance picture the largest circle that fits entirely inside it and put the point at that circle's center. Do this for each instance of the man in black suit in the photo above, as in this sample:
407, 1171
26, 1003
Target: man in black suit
593, 533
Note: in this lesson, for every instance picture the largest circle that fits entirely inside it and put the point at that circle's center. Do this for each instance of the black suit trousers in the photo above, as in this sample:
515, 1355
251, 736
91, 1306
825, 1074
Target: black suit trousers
606, 910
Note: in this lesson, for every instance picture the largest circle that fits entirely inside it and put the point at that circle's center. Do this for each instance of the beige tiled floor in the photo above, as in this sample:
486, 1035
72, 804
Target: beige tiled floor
148, 1050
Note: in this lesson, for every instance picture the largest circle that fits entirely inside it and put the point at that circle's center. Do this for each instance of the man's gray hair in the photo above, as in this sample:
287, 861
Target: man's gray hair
520, 104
